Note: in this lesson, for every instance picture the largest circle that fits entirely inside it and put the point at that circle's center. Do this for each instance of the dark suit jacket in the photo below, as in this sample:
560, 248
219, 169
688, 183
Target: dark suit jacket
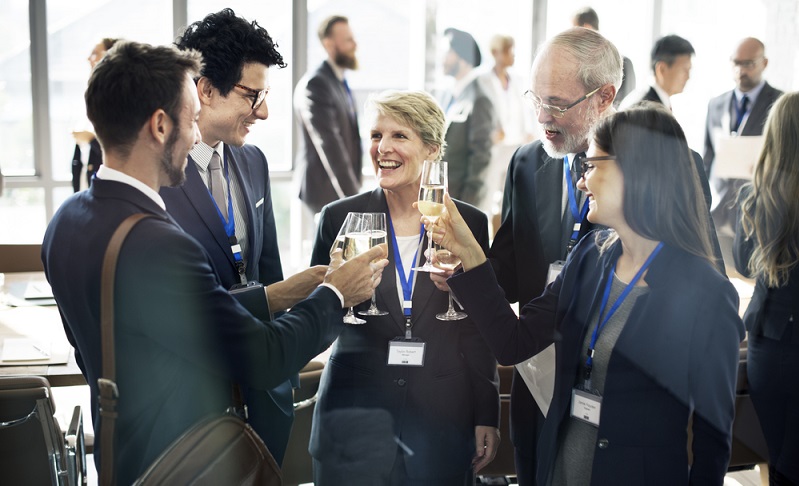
470, 122
181, 339
727, 189
95, 161
434, 408
771, 310
329, 155
678, 351
191, 205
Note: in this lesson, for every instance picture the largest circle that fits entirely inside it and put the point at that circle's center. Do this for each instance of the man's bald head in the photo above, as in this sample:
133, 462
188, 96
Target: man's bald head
748, 63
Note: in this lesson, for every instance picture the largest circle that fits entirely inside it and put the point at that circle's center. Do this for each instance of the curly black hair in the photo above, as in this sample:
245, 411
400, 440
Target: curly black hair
227, 43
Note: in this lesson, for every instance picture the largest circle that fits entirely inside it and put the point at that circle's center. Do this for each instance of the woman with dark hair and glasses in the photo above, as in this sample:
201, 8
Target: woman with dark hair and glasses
646, 329
767, 247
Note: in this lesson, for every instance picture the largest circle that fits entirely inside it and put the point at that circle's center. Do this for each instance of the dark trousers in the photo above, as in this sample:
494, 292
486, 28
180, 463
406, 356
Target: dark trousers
325, 474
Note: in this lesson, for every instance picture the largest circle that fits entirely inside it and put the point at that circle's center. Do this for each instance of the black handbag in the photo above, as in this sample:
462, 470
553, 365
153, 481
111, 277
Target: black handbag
216, 450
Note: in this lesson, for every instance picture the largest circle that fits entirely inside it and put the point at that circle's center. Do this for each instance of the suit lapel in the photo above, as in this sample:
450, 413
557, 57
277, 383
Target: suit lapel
196, 192
549, 189
754, 125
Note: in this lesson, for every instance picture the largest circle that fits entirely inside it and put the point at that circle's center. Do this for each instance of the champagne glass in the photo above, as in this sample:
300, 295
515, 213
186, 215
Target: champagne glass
377, 236
353, 239
431, 203
449, 261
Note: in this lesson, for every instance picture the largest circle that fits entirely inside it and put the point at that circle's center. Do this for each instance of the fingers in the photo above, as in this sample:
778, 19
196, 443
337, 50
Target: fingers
440, 281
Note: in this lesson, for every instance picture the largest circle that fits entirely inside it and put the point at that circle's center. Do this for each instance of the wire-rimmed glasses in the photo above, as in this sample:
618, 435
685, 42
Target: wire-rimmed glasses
552, 110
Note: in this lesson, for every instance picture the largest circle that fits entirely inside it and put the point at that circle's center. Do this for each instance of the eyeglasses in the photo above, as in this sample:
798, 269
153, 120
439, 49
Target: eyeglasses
554, 111
586, 163
258, 96
748, 64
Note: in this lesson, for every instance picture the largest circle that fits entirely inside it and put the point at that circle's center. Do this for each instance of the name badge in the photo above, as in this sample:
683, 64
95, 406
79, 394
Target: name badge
402, 352
586, 406
554, 270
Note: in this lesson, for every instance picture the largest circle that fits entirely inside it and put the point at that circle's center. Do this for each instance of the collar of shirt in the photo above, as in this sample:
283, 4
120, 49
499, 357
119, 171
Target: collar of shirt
339, 72
462, 83
664, 97
108, 174
202, 152
752, 94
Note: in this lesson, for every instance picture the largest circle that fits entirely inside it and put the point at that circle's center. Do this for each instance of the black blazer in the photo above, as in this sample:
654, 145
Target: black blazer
191, 205
433, 409
94, 163
330, 152
678, 352
181, 339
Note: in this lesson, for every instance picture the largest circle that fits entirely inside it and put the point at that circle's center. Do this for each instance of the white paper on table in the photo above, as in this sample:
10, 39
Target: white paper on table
24, 349
538, 373
736, 156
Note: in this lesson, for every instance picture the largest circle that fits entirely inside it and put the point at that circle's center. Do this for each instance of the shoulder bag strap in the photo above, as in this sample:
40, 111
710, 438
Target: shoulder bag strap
109, 393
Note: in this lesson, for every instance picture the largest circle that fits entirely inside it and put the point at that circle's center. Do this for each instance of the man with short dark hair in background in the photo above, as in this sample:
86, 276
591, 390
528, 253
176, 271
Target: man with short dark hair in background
328, 161
671, 64
470, 119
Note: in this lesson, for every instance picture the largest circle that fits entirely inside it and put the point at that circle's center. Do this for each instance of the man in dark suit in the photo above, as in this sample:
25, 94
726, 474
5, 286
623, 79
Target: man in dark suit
588, 18
329, 157
470, 120
181, 339
231, 103
741, 112
671, 64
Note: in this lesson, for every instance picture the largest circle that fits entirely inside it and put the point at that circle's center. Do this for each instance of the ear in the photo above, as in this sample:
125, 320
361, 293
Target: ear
206, 91
660, 67
606, 96
327, 43
432, 151
160, 125
765, 62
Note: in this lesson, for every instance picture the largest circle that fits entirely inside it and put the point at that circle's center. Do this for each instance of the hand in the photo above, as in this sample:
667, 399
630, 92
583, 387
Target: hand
358, 277
440, 280
487, 441
283, 295
452, 232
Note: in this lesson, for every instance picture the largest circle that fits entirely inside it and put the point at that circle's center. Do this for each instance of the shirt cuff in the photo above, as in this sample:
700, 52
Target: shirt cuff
334, 289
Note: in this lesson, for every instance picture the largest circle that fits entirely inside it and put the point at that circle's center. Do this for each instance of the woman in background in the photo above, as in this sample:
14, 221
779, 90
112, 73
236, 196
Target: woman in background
433, 424
767, 248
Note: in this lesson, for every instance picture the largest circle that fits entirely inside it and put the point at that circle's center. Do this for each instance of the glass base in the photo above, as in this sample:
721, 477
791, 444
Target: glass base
451, 315
428, 267
352, 320
372, 311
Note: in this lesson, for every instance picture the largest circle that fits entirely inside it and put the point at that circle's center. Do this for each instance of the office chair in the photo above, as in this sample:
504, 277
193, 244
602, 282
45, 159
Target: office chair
297, 464
503, 468
33, 449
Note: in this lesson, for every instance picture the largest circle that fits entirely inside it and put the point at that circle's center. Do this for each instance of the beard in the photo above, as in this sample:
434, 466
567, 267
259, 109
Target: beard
176, 175
346, 61
575, 138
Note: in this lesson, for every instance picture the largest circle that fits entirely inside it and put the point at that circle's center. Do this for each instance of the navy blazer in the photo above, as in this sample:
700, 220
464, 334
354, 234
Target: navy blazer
329, 155
677, 354
433, 409
191, 205
181, 339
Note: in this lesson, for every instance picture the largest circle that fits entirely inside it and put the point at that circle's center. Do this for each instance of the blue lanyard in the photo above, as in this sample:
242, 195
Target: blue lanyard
577, 214
601, 322
405, 283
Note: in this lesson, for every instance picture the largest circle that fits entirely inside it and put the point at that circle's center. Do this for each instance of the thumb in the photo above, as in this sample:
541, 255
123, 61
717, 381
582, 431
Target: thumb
452, 209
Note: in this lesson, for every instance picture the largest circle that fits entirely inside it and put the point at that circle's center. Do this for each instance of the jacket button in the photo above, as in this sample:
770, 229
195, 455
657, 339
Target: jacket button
603, 443
401, 382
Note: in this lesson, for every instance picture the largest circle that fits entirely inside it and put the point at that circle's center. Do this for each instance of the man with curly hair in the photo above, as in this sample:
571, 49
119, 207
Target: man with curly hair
226, 202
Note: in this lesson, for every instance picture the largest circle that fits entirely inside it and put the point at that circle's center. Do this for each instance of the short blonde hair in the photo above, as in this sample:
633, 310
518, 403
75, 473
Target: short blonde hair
415, 109
500, 43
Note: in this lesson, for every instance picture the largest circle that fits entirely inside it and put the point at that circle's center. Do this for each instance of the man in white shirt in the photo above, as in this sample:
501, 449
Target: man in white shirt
671, 65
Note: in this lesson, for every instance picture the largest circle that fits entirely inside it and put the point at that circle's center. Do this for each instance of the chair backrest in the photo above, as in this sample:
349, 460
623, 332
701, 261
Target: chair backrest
298, 465
32, 447
21, 258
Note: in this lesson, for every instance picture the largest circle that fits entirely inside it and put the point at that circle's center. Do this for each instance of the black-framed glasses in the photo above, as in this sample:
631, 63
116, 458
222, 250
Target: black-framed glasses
554, 111
258, 95
747, 64
586, 164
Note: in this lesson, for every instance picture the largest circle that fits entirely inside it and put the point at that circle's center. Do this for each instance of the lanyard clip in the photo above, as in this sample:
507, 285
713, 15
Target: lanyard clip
408, 326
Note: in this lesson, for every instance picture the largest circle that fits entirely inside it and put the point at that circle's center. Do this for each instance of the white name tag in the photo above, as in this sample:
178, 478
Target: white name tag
586, 406
406, 353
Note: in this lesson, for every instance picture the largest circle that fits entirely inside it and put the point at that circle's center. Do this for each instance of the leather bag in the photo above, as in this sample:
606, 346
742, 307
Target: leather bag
216, 450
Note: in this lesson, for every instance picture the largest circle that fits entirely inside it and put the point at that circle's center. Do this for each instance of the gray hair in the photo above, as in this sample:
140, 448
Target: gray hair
415, 109
599, 62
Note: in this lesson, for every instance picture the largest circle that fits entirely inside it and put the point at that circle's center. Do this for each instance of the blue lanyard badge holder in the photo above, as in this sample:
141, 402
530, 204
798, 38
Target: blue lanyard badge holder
405, 350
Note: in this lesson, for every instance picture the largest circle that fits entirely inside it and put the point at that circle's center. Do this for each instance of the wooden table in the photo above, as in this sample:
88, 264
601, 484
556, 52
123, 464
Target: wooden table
39, 322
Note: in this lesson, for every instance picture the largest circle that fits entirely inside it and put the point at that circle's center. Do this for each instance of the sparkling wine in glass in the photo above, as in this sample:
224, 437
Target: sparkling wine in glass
431, 202
377, 236
448, 261
353, 239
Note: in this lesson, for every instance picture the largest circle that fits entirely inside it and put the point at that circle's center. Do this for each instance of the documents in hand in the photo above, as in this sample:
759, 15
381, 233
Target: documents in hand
736, 156
538, 373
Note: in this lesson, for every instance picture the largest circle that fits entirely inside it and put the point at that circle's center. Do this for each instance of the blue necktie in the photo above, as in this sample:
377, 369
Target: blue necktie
739, 115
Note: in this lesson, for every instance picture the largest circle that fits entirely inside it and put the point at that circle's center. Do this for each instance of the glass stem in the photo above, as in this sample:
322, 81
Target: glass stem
430, 247
451, 309
374, 301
